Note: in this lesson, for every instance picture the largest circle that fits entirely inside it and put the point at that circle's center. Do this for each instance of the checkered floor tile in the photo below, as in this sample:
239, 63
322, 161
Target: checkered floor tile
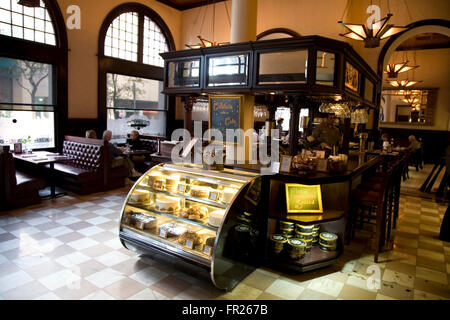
68, 248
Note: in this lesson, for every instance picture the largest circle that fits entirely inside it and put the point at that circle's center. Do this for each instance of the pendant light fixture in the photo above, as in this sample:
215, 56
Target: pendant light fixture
204, 43
373, 33
401, 84
393, 69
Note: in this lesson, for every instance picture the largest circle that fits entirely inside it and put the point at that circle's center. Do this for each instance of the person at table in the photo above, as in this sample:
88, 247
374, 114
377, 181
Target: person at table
91, 134
117, 157
326, 135
134, 142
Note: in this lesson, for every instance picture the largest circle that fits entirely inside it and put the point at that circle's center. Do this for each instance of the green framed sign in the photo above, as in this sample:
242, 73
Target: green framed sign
302, 198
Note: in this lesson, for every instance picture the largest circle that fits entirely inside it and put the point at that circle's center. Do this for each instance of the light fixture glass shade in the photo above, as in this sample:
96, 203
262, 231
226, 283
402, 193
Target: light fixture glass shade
371, 35
392, 30
403, 83
394, 69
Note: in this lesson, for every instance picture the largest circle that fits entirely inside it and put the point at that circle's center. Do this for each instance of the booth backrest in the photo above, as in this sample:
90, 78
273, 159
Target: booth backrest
151, 143
86, 153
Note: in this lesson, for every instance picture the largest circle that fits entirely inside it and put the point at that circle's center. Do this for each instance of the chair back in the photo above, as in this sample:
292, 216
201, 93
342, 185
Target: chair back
7, 175
85, 153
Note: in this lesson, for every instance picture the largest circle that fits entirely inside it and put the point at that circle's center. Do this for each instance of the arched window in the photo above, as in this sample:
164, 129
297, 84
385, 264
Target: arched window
33, 63
131, 71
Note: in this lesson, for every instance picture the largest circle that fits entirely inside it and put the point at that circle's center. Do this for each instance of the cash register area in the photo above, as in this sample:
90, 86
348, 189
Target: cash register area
68, 248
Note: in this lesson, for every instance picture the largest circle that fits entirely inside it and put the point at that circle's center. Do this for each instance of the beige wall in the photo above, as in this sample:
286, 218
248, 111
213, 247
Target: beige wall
83, 47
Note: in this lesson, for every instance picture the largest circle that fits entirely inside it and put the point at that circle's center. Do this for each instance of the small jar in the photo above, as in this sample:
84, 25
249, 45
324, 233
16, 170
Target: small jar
278, 242
285, 225
308, 245
328, 241
304, 228
307, 236
243, 233
297, 248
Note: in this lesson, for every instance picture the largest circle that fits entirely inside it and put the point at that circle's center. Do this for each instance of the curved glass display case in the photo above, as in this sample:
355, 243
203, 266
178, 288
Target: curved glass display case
208, 218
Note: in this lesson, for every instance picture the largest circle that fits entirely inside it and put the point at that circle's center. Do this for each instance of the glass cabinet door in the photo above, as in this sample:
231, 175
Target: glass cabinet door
184, 73
228, 70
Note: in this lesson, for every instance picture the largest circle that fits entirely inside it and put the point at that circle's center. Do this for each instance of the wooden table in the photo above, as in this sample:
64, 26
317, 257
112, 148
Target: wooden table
42, 158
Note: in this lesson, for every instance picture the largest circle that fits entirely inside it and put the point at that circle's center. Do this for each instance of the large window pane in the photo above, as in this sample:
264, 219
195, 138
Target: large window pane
228, 70
25, 82
184, 73
17, 126
134, 93
154, 43
147, 122
121, 39
13, 19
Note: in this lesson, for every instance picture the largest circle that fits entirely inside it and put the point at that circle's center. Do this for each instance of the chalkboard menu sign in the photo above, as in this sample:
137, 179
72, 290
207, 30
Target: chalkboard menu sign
303, 198
224, 113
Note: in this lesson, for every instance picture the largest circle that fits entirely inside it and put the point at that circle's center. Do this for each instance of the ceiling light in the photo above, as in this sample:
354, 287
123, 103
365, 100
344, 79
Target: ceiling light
371, 35
205, 44
394, 69
403, 83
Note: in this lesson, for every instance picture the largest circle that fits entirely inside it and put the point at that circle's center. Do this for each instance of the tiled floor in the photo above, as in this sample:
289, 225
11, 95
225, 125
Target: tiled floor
68, 248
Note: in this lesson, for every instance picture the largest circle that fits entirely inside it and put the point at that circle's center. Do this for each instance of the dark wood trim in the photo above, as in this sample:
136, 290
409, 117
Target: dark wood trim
188, 6
287, 31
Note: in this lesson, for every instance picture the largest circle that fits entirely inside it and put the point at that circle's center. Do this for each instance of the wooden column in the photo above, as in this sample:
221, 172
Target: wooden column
293, 126
346, 132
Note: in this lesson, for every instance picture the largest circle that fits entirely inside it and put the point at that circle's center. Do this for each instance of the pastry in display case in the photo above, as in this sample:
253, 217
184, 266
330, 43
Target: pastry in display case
186, 211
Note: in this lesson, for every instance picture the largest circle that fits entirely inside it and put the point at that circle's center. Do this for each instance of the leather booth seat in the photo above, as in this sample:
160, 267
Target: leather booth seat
17, 189
89, 169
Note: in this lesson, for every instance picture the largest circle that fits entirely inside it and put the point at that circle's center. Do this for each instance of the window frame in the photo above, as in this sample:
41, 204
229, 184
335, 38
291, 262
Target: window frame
123, 67
55, 55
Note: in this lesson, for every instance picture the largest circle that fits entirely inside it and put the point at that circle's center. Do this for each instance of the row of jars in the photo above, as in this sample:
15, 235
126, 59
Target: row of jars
298, 239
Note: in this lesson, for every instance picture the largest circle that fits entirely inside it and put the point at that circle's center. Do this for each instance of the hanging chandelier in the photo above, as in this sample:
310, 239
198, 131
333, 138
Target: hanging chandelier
395, 68
373, 33
204, 43
403, 83
412, 100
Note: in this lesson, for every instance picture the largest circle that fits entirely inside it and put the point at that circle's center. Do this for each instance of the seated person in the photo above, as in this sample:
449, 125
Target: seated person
414, 145
91, 134
117, 157
135, 142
